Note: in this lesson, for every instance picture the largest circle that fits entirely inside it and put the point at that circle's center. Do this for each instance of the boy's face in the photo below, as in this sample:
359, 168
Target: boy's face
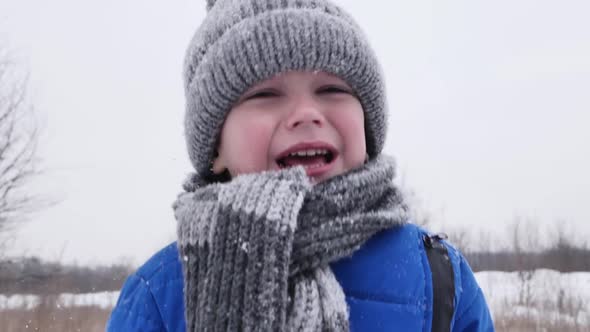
295, 118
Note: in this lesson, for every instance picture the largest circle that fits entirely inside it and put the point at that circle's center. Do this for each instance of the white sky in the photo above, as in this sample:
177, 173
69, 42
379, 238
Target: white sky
489, 109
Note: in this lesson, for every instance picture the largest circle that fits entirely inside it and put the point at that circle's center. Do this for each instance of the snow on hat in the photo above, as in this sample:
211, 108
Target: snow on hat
243, 42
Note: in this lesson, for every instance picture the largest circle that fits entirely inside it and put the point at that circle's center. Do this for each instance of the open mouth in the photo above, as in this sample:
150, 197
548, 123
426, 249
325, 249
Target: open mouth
310, 158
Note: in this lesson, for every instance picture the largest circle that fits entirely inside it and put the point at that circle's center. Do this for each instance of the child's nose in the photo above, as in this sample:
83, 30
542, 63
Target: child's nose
305, 112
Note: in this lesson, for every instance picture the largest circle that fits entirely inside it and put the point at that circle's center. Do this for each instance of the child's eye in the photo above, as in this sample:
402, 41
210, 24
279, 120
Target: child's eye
334, 89
262, 94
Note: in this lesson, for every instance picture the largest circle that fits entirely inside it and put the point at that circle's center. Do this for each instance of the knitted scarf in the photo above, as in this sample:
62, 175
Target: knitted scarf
256, 250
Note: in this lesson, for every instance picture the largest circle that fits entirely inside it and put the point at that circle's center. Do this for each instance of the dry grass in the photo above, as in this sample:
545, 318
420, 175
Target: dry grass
47, 317
570, 316
523, 324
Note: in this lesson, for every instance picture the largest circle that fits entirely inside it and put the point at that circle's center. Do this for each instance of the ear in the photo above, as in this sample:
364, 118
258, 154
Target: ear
218, 164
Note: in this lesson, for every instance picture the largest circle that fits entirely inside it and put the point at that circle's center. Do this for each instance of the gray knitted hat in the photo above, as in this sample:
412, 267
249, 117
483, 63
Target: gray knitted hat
243, 42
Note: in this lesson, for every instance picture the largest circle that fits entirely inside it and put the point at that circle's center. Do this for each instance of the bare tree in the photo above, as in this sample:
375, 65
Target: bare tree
524, 237
18, 146
459, 236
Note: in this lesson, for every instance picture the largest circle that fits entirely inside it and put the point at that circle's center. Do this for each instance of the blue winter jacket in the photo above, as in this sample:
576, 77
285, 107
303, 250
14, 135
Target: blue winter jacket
387, 283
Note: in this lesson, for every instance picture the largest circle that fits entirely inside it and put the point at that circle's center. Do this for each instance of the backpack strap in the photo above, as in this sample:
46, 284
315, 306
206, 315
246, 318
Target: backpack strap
443, 282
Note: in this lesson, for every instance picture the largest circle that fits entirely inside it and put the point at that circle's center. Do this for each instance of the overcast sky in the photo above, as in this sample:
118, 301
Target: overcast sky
489, 113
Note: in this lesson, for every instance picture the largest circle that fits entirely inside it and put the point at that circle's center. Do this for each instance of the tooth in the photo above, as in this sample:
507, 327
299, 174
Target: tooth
310, 152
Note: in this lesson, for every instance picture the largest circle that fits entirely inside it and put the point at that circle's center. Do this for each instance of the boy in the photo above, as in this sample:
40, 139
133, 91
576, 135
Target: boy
292, 221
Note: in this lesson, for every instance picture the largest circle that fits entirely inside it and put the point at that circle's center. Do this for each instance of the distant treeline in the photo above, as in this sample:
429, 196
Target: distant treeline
561, 258
33, 276
520, 249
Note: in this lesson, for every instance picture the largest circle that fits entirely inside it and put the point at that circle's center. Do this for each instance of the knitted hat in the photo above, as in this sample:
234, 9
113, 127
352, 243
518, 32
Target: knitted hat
243, 42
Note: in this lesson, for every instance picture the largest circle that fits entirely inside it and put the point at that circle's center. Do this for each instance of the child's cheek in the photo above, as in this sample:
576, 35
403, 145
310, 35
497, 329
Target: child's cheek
254, 143
351, 128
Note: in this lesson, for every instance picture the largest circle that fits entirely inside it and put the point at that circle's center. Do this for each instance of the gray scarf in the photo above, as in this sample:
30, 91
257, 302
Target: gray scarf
256, 250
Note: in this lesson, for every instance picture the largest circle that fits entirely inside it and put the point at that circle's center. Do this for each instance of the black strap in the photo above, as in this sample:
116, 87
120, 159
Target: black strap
443, 283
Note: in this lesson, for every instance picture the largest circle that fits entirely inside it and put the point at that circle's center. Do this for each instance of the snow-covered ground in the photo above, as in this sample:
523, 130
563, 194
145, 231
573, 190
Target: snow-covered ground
545, 286
101, 299
543, 295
